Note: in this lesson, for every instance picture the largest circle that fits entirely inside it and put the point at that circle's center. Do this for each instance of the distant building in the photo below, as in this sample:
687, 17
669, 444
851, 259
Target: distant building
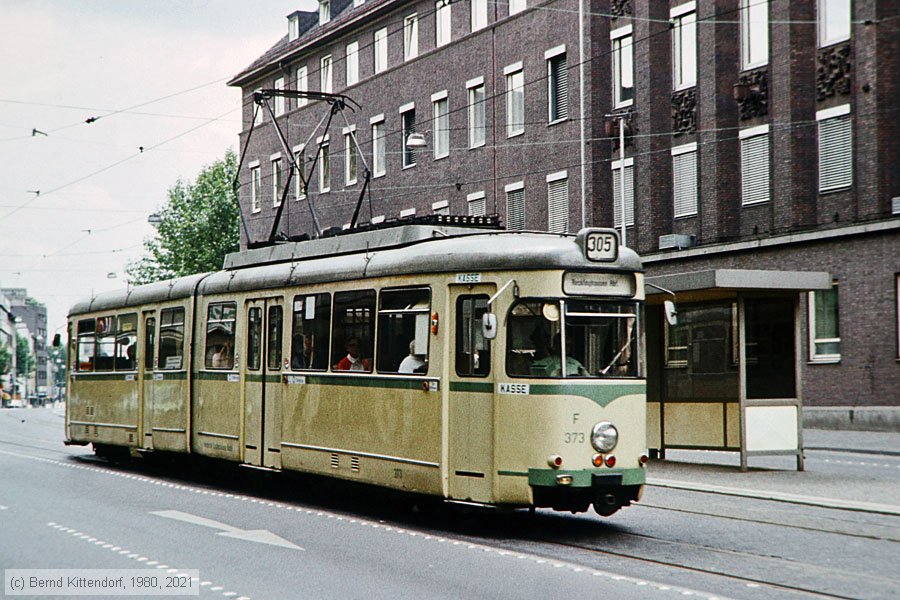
758, 136
33, 315
8, 341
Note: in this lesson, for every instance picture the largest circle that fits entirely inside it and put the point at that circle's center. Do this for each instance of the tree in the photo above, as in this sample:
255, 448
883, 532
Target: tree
5, 359
24, 357
200, 225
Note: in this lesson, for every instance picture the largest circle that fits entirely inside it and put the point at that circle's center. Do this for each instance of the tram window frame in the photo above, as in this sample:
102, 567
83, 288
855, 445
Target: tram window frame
221, 319
105, 344
363, 304
311, 319
86, 336
396, 339
149, 342
254, 338
126, 337
467, 345
170, 325
274, 337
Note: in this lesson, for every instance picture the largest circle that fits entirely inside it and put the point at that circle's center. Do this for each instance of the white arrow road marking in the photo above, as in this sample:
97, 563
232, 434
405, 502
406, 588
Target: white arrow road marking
253, 535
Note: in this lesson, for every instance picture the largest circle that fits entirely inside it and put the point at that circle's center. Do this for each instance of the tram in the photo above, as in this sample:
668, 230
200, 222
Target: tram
477, 365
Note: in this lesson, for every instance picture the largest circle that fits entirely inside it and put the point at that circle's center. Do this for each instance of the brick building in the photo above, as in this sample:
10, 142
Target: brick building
33, 315
759, 135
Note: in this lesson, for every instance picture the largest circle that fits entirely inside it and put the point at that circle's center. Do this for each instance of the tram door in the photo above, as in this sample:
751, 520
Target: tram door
146, 356
262, 382
471, 405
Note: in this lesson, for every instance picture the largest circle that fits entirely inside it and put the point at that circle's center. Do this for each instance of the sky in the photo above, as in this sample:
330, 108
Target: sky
155, 72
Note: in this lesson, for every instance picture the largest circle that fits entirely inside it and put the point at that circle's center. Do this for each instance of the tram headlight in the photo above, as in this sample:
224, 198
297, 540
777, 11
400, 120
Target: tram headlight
604, 436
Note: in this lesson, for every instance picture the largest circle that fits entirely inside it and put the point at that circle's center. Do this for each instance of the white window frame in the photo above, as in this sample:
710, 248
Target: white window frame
550, 56
403, 110
326, 77
255, 187
472, 87
407, 212
680, 17
551, 179
323, 145
516, 187
617, 37
302, 84
476, 199
324, 11
815, 357
745, 135
440, 208
277, 170
440, 134
376, 220
822, 18
443, 24
823, 119
479, 14
749, 30
380, 50
617, 200
352, 60
299, 157
410, 36
379, 167
278, 109
293, 27
678, 151
512, 73
358, 3
517, 6
350, 152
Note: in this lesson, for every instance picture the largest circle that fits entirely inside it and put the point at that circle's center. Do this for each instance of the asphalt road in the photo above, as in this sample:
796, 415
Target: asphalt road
272, 536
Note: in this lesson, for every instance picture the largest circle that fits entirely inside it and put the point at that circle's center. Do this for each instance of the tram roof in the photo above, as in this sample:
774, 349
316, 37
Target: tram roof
415, 250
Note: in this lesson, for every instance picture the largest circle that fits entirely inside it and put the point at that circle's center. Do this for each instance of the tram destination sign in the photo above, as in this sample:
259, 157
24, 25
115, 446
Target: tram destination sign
598, 284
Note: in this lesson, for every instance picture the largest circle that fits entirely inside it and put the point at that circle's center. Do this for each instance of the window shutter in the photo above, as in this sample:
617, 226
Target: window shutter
558, 206
755, 169
477, 207
629, 196
684, 185
515, 210
835, 153
559, 88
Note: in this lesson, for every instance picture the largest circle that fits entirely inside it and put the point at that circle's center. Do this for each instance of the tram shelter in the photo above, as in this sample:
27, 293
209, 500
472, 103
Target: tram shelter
726, 375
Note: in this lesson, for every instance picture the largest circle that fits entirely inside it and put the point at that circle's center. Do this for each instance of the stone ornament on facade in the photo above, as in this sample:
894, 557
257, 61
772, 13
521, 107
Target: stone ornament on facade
752, 94
684, 111
621, 8
833, 71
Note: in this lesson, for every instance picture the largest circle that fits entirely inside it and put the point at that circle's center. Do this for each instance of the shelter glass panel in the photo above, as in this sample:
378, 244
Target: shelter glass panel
769, 329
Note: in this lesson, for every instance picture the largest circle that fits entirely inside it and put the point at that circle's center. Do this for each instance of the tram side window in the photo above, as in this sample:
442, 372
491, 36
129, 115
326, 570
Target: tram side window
104, 359
309, 338
254, 338
126, 343
273, 352
403, 327
86, 340
220, 322
353, 331
473, 352
171, 338
149, 342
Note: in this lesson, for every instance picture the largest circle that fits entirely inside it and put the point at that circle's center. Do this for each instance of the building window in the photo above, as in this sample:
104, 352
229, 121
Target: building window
325, 74
754, 33
350, 155
378, 147
357, 3
517, 6
440, 208
515, 206
623, 67
300, 159
255, 188
408, 126
558, 202
442, 22
302, 85
515, 100
352, 63
684, 180
324, 11
824, 328
617, 176
411, 37
276, 180
324, 165
477, 205
754, 165
834, 21
684, 46
279, 100
381, 50
557, 84
293, 27
441, 125
479, 14
835, 148
476, 112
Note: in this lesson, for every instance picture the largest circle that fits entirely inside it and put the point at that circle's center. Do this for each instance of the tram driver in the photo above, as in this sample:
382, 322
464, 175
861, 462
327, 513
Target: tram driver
551, 366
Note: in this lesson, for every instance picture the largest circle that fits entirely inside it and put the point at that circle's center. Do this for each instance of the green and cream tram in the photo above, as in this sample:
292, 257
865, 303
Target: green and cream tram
479, 366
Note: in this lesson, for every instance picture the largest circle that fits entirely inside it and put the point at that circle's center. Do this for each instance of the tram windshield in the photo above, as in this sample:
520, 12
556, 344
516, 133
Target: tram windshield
550, 338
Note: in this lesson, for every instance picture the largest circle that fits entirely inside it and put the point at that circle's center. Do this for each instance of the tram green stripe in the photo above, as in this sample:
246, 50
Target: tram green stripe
366, 381
601, 394
584, 478
472, 386
120, 376
166, 376
208, 376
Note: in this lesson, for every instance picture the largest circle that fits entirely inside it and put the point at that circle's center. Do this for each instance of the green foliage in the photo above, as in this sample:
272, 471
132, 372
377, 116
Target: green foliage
200, 225
24, 357
5, 360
